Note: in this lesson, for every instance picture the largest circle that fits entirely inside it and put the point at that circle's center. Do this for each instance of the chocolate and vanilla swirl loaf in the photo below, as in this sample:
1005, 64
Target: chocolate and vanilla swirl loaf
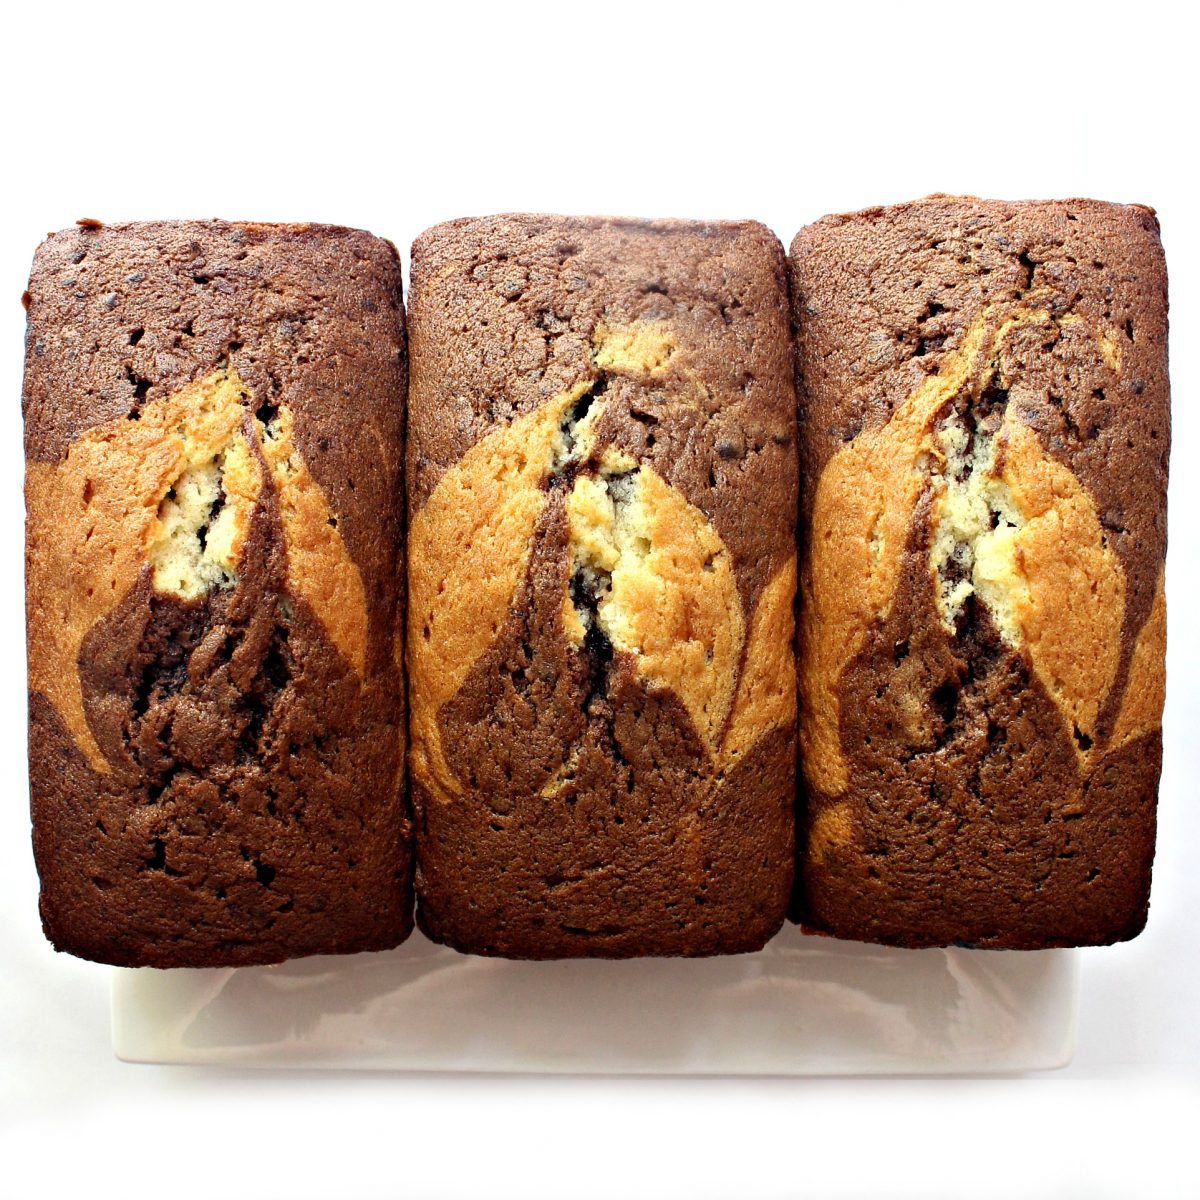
983, 444
602, 498
213, 435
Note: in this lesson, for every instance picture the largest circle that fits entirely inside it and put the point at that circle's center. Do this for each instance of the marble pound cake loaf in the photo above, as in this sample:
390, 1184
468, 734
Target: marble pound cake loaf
213, 435
984, 437
602, 493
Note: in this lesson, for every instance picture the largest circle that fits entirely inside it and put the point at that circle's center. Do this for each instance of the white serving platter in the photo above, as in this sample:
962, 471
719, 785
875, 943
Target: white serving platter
803, 1006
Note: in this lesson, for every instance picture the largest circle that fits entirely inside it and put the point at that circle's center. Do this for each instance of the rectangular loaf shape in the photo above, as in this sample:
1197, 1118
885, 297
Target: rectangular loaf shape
214, 420
983, 440
602, 494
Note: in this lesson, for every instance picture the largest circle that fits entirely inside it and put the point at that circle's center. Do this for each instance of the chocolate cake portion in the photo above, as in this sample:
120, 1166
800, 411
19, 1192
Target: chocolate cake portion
984, 434
214, 419
602, 497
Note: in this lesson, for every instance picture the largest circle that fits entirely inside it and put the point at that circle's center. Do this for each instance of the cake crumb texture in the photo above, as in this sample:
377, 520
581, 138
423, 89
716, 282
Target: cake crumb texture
213, 433
602, 488
984, 437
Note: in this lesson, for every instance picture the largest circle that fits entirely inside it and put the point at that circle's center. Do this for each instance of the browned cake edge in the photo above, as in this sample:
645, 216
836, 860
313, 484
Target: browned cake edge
649, 362
214, 582
975, 789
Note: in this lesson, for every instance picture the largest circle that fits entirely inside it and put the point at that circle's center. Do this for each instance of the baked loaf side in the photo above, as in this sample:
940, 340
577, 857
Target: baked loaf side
213, 437
602, 492
984, 438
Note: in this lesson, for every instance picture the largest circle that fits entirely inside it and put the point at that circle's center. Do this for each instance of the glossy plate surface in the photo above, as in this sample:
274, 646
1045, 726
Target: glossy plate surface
802, 1006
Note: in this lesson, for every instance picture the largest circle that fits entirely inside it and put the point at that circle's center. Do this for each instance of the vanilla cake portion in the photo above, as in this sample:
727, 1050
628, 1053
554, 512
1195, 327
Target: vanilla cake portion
214, 418
984, 433
601, 503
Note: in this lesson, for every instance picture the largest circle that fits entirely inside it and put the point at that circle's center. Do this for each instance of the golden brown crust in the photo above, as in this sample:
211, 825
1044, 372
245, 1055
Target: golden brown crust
1142, 706
94, 518
1057, 561
861, 513
1061, 588
985, 422
96, 522
617, 682
766, 694
468, 550
672, 599
320, 571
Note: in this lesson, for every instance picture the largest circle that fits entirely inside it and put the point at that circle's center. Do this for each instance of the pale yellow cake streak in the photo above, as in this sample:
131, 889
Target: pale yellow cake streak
861, 515
1142, 705
1051, 582
830, 830
1049, 579
320, 571
132, 495
766, 694
468, 548
673, 601
639, 348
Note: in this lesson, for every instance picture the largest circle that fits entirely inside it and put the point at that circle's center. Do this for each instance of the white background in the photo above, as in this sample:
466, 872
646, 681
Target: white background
392, 121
